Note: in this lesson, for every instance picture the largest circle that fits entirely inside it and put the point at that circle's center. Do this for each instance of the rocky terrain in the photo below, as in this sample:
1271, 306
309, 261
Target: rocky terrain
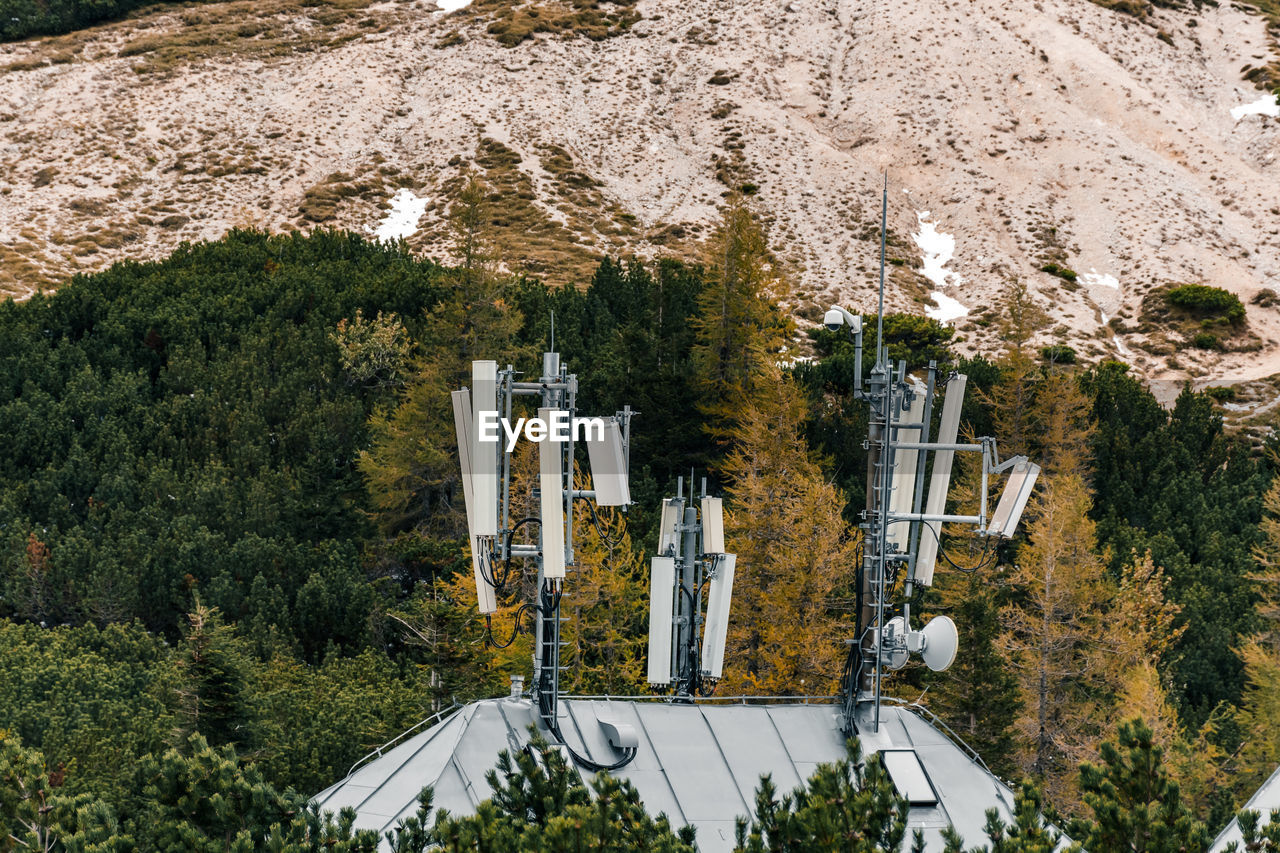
1016, 136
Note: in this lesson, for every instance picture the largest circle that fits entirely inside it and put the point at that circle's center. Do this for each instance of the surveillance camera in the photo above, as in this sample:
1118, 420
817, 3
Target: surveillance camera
833, 320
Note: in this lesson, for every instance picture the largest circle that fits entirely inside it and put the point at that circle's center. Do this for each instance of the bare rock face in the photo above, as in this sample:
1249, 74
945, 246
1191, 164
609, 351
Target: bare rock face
1088, 154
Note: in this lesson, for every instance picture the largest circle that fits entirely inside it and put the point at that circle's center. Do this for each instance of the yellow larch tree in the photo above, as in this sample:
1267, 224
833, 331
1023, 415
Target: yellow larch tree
740, 329
606, 603
792, 605
1050, 632
1059, 593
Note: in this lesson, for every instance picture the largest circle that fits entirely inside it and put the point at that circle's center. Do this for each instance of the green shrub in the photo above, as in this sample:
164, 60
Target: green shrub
1059, 270
1206, 340
1059, 354
1206, 300
1221, 393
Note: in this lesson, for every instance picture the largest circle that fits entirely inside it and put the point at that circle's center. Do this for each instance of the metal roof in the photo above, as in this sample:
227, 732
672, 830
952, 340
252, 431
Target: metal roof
698, 763
1263, 801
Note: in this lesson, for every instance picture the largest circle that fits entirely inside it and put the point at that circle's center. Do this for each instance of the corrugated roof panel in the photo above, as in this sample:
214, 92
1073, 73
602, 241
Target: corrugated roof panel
655, 793
810, 732
698, 763
376, 788
579, 723
451, 793
716, 836
752, 746
696, 769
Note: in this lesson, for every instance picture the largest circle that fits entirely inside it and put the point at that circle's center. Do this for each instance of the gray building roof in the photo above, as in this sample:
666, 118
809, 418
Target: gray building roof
698, 763
1263, 801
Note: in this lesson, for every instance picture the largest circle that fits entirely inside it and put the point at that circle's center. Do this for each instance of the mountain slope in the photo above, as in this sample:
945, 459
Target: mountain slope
1053, 131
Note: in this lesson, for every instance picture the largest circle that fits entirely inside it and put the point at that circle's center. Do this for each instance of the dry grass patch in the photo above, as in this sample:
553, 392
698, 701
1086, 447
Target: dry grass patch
513, 23
25, 268
561, 245
162, 38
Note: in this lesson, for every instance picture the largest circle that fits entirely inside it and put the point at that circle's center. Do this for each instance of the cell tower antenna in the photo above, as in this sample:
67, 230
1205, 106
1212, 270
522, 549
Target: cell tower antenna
686, 647
901, 530
486, 474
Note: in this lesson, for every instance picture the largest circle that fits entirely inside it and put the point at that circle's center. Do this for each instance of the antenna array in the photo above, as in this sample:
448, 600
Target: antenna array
686, 649
901, 527
486, 482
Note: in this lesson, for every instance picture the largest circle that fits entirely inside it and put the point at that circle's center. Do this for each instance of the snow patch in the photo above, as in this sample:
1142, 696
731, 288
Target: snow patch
402, 220
1094, 277
451, 5
1256, 408
938, 249
1267, 105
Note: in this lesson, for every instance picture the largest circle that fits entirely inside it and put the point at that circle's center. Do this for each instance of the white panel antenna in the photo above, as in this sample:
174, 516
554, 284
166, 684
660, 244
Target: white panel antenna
662, 584
668, 537
712, 526
1004, 521
551, 486
904, 474
609, 466
463, 424
940, 482
717, 630
484, 454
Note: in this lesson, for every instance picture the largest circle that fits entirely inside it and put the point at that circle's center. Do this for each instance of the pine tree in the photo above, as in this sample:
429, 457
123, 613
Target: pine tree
212, 692
1028, 833
795, 568
540, 805
1135, 805
37, 814
850, 806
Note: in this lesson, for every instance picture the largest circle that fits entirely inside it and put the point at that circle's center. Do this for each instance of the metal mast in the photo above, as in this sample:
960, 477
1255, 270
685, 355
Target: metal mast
901, 530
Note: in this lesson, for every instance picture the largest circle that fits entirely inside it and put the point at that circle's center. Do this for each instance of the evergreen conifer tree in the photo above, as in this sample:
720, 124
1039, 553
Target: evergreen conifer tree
850, 806
1135, 805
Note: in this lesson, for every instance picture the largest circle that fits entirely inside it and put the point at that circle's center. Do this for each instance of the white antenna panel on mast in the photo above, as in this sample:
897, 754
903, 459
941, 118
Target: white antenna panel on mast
609, 466
668, 536
551, 487
1004, 521
662, 582
462, 424
940, 482
484, 455
904, 473
712, 526
717, 630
